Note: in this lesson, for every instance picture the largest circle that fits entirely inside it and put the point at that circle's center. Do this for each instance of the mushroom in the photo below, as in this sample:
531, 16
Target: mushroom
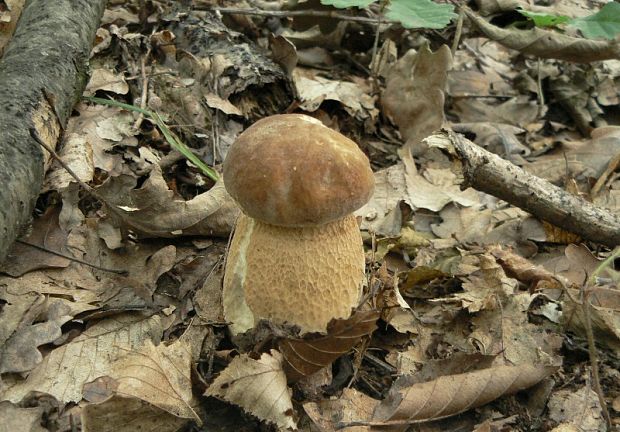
296, 256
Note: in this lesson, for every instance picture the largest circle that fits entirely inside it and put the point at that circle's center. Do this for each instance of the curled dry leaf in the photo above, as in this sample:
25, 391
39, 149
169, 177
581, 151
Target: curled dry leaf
154, 211
305, 357
257, 386
454, 394
548, 44
523, 269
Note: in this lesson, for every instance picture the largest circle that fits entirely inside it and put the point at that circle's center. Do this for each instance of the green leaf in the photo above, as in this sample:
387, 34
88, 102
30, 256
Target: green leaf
543, 19
420, 13
342, 4
603, 24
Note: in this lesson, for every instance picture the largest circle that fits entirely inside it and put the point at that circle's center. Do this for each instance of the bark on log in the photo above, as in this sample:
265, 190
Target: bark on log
491, 174
42, 75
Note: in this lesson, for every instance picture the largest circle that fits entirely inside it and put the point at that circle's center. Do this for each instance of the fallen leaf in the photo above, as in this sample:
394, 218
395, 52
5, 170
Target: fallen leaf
303, 357
153, 210
453, 394
352, 405
313, 90
120, 414
159, 375
414, 93
579, 408
45, 233
17, 419
257, 386
548, 44
106, 80
64, 370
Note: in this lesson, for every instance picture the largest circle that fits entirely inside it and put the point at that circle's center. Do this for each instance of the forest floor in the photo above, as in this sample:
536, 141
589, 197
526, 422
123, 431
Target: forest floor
490, 318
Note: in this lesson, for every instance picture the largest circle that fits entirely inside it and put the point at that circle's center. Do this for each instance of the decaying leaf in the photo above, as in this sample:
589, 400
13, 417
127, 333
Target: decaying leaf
604, 314
45, 233
17, 419
304, 357
159, 375
90, 355
579, 409
154, 211
120, 414
414, 92
257, 386
352, 405
313, 90
547, 43
454, 394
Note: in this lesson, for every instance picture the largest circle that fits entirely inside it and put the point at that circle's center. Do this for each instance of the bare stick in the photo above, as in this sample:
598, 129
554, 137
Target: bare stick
489, 173
585, 305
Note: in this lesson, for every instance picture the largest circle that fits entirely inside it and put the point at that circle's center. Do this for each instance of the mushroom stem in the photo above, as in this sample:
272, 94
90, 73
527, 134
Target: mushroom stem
301, 276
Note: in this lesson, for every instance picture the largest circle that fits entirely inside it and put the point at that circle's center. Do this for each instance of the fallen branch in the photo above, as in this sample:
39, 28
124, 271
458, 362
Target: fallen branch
491, 174
42, 75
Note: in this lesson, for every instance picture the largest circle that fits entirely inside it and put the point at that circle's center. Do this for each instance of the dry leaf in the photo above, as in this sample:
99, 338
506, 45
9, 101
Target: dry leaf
17, 419
107, 80
578, 408
159, 375
604, 315
523, 269
153, 210
313, 90
257, 386
350, 406
45, 233
128, 415
454, 394
402, 183
305, 357
548, 44
583, 159
414, 92
90, 355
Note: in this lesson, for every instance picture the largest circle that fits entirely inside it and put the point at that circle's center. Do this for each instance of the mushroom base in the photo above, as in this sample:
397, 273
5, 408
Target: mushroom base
299, 276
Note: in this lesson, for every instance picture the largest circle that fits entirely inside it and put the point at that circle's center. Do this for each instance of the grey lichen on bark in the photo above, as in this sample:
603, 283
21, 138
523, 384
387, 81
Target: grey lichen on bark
42, 74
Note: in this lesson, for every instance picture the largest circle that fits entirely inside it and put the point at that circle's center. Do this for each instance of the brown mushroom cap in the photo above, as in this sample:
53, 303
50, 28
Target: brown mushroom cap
291, 170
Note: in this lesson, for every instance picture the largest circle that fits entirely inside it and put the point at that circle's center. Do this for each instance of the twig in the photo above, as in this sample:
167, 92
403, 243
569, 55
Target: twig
487, 172
311, 13
458, 31
342, 425
539, 89
52, 152
70, 258
585, 305
145, 89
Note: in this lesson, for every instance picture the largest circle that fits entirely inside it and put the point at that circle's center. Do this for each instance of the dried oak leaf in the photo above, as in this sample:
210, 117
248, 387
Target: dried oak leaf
257, 386
548, 44
305, 357
454, 394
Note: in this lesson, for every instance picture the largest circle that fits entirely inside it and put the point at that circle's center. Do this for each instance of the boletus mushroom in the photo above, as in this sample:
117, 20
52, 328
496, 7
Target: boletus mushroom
296, 256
